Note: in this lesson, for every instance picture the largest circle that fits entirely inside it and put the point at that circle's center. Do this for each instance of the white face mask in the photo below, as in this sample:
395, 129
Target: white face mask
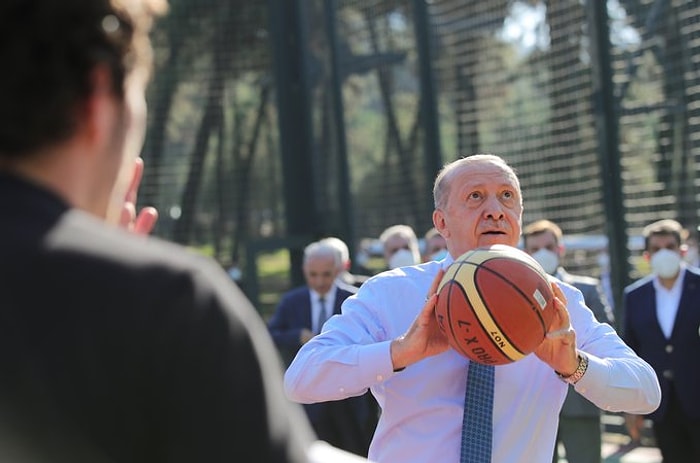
665, 263
547, 259
402, 258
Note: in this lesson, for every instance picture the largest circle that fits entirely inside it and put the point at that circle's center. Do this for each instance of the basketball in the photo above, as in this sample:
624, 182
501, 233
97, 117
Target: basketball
495, 304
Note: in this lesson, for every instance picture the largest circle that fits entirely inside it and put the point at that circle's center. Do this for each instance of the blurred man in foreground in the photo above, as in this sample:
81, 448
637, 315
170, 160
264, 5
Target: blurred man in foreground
113, 347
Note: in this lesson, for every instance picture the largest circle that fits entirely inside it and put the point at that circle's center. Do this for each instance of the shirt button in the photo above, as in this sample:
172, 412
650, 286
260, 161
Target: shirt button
380, 378
669, 348
668, 374
342, 389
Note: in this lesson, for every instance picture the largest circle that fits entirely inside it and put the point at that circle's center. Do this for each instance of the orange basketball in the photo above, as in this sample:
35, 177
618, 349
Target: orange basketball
495, 304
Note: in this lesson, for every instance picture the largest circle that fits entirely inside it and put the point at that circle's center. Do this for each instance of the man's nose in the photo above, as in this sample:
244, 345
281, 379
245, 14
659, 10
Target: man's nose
493, 209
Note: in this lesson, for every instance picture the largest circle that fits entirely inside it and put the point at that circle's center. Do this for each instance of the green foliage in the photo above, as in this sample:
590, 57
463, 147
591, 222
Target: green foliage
274, 277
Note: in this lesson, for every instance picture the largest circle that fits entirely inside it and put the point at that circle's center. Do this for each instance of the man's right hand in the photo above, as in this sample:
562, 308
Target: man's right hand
424, 337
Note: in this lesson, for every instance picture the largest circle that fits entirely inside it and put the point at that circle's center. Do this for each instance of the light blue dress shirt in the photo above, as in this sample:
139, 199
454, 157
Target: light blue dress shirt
422, 406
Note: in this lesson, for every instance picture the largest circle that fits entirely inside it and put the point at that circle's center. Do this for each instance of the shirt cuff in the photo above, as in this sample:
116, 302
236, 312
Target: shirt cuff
376, 361
597, 373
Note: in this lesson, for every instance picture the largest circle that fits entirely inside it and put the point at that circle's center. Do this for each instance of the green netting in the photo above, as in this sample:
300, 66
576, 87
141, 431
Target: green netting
273, 123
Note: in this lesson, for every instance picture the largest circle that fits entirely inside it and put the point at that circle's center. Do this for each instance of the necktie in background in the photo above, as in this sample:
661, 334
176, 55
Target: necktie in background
322, 314
477, 426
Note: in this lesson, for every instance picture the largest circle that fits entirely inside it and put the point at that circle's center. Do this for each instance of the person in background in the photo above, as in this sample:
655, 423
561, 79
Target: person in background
692, 254
350, 280
580, 429
400, 246
662, 324
113, 347
435, 246
387, 339
299, 316
603, 261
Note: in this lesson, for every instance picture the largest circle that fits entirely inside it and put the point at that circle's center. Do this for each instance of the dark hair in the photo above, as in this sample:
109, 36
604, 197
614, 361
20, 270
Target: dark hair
541, 226
665, 227
49, 49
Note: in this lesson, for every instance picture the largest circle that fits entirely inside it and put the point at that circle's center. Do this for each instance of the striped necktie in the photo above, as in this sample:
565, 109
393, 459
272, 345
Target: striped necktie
477, 426
322, 314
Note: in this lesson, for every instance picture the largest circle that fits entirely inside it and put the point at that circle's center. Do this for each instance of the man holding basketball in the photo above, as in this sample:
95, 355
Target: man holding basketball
387, 340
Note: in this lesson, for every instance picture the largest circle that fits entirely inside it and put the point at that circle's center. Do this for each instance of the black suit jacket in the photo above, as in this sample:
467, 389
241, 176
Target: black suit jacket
675, 360
293, 313
121, 348
575, 404
347, 424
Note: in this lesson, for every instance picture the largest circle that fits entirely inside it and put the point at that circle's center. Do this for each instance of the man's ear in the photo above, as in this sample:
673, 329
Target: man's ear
561, 250
99, 110
439, 223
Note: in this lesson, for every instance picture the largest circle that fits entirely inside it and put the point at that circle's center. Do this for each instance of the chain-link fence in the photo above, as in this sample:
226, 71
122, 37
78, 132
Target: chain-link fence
275, 123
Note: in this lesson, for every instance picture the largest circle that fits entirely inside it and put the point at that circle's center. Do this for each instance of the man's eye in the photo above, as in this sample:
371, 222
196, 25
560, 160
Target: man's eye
508, 195
475, 195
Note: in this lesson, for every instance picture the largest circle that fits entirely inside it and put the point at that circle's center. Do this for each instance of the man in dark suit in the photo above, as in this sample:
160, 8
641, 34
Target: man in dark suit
662, 324
113, 347
299, 316
579, 420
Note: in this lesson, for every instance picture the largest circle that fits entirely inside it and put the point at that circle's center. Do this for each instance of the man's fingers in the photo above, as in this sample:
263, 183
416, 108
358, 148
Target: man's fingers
132, 192
128, 215
558, 293
146, 221
435, 284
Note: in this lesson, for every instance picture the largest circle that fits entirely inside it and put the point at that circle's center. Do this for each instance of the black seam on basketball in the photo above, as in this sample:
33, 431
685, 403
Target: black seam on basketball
466, 298
498, 348
534, 308
449, 312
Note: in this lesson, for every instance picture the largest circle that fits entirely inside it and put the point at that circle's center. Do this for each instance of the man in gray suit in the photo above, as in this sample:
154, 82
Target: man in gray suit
579, 420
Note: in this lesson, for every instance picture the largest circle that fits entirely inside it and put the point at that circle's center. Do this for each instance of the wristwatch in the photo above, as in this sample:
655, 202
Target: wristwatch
578, 373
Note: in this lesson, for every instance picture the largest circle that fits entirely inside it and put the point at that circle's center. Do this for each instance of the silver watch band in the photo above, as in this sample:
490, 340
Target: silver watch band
579, 372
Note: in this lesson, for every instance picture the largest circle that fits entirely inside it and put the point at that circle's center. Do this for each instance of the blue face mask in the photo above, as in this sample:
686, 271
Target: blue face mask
439, 255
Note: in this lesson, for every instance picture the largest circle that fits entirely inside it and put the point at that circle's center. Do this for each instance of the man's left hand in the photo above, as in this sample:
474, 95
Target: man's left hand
558, 349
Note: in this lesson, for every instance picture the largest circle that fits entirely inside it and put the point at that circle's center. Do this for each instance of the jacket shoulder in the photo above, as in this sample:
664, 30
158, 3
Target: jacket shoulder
639, 284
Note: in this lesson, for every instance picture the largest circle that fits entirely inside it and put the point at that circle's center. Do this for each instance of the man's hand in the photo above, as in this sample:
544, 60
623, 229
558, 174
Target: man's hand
423, 338
144, 222
558, 349
305, 335
634, 425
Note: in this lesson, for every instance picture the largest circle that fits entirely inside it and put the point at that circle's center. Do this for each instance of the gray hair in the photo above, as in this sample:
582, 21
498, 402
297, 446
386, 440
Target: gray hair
441, 189
338, 244
319, 249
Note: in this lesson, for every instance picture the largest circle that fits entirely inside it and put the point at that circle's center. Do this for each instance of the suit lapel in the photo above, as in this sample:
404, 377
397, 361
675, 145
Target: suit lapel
340, 296
688, 302
647, 298
307, 313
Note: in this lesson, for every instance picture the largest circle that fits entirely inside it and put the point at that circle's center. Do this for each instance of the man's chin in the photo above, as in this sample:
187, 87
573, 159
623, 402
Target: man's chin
490, 239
